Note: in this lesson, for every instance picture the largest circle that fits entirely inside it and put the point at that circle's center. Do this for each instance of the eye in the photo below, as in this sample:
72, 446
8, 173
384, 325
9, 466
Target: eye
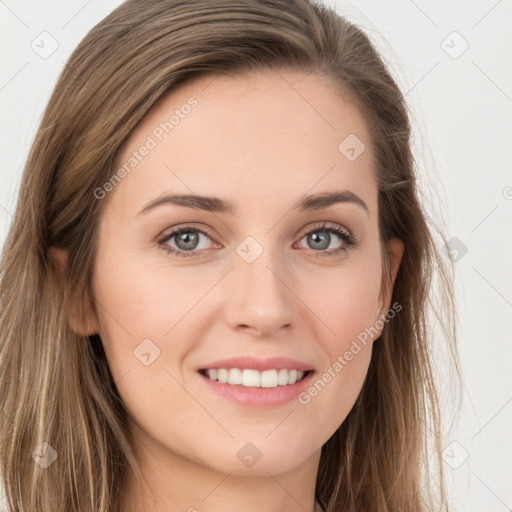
188, 239
320, 239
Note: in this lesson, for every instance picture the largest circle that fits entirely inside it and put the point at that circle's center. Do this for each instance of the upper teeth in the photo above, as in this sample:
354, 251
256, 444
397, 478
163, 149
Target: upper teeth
255, 378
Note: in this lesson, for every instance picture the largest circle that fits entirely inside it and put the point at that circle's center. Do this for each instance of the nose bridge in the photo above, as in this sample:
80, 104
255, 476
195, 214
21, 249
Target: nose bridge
259, 296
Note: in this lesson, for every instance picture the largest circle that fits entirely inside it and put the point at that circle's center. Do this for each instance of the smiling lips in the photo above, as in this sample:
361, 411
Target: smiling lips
254, 382
253, 372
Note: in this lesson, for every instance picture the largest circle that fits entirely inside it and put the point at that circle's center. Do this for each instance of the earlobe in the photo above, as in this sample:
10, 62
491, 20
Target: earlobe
396, 252
59, 256
58, 261
85, 322
91, 321
395, 249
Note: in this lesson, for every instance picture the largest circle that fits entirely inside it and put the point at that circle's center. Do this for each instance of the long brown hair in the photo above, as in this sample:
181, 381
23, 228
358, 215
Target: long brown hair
55, 384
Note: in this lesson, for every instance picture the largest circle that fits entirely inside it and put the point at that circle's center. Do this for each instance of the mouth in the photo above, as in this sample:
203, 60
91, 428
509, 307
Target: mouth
261, 389
252, 381
251, 378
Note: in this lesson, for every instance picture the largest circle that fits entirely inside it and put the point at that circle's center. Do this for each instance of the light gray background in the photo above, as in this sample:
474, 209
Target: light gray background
461, 104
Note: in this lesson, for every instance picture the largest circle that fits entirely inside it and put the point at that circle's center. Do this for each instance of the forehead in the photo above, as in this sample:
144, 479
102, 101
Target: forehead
249, 137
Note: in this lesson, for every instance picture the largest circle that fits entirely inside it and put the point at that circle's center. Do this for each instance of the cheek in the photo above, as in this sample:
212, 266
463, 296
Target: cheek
347, 304
348, 307
141, 299
147, 322
354, 311
143, 296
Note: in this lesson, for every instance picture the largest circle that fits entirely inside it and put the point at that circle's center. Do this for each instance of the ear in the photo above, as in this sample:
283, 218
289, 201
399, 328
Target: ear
395, 248
83, 322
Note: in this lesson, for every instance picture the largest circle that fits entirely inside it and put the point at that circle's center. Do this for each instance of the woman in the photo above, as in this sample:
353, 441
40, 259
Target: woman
286, 364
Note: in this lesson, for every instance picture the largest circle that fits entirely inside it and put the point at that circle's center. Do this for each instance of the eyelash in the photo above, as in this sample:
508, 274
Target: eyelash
349, 240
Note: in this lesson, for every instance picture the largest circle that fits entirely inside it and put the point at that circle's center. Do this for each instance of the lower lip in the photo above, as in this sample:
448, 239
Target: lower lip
259, 397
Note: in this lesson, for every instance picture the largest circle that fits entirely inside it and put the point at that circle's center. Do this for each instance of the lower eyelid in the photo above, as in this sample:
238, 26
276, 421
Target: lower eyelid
330, 229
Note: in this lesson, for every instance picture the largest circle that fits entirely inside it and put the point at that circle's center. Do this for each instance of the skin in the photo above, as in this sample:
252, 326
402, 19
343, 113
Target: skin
262, 141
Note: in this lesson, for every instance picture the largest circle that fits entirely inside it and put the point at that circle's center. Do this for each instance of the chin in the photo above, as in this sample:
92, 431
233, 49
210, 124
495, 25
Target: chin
261, 457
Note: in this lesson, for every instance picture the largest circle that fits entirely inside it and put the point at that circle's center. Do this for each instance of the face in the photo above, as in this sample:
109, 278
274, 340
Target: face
277, 283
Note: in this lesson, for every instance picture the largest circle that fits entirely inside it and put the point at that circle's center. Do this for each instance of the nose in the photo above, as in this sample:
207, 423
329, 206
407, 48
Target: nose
260, 300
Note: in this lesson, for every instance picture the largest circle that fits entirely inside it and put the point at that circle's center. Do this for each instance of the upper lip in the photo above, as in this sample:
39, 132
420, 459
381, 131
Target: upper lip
255, 363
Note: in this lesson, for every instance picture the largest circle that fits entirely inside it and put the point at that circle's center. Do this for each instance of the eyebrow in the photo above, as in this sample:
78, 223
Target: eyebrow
217, 205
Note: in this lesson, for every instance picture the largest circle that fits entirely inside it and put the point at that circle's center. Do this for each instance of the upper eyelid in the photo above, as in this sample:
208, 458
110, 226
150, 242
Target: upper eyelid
171, 232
